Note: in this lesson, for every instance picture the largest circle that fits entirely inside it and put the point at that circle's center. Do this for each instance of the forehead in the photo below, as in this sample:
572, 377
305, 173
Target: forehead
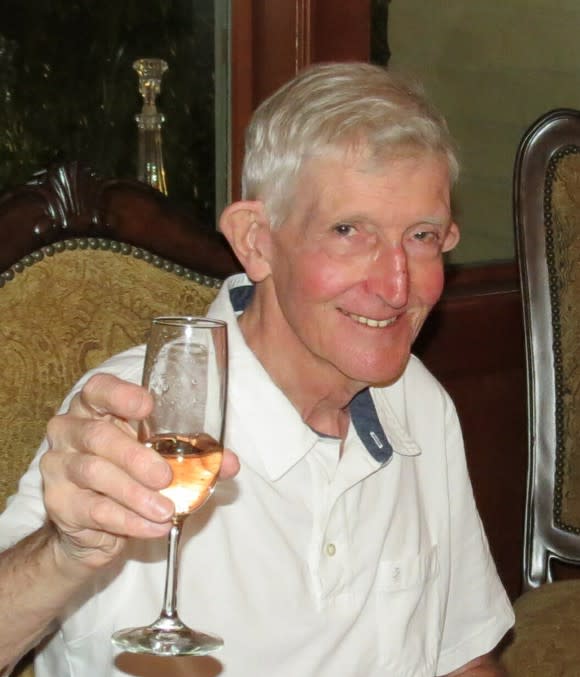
401, 184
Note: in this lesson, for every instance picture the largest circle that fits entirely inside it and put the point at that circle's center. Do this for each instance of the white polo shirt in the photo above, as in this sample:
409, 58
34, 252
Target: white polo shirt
370, 564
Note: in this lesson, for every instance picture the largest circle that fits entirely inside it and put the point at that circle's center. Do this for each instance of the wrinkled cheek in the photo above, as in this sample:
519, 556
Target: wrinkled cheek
306, 292
322, 279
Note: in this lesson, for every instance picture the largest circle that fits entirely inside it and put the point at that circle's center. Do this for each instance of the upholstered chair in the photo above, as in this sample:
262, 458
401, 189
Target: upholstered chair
546, 638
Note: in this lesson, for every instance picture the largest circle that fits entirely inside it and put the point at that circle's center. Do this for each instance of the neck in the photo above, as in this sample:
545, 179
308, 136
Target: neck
315, 387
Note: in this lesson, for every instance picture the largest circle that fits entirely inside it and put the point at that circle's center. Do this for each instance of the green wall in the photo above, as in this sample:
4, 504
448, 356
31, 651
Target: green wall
493, 67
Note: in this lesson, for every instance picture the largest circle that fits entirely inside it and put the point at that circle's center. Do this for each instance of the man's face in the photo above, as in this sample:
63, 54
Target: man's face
357, 266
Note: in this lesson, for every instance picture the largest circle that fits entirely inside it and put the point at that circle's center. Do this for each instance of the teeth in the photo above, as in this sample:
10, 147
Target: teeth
370, 322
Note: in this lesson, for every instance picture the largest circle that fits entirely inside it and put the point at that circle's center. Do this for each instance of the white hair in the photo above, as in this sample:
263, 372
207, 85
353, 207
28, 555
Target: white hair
337, 107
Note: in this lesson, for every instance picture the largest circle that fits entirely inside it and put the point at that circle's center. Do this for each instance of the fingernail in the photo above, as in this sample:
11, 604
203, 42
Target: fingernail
134, 403
160, 473
163, 508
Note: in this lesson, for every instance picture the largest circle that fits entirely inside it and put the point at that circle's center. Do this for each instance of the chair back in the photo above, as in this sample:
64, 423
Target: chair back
85, 263
547, 229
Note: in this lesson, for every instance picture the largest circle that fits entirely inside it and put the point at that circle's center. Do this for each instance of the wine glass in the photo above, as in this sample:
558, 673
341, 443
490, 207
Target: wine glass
186, 372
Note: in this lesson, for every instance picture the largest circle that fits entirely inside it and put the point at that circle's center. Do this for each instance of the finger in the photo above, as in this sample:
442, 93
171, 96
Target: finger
88, 471
230, 465
93, 478
91, 519
114, 518
102, 438
106, 394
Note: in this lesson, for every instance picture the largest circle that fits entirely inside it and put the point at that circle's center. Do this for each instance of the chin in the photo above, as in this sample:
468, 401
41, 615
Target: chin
387, 379
378, 374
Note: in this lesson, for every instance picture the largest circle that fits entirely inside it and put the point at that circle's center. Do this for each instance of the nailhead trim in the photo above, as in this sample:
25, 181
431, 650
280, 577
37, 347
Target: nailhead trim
554, 283
107, 245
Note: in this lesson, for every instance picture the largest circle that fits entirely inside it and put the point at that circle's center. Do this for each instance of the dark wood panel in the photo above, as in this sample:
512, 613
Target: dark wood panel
273, 39
290, 34
474, 344
340, 31
277, 32
242, 92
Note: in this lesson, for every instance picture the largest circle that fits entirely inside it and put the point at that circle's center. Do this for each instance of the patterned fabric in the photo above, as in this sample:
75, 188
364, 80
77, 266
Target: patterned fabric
565, 282
65, 314
546, 633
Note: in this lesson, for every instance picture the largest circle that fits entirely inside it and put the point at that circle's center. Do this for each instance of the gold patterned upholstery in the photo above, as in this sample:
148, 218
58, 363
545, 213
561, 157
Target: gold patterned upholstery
547, 632
565, 208
547, 220
65, 314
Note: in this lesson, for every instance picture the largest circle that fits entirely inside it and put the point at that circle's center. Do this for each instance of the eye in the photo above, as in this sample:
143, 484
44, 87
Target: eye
344, 229
424, 241
426, 236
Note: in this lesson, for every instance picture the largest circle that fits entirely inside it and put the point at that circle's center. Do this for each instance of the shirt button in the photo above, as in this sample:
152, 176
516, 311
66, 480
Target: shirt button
330, 549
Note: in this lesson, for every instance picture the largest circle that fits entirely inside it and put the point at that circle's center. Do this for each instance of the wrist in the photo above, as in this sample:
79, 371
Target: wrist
73, 558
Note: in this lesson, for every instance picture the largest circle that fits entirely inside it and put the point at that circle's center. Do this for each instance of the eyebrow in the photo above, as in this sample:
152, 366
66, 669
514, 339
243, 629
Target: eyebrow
434, 221
359, 217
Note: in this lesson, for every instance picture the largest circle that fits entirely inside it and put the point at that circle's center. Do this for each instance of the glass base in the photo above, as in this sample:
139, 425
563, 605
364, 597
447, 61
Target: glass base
166, 637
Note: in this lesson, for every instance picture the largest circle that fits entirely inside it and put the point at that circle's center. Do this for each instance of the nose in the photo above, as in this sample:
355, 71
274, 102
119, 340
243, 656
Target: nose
388, 275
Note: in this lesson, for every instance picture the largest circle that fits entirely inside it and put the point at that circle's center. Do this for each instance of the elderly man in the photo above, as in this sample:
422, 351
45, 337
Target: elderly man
349, 543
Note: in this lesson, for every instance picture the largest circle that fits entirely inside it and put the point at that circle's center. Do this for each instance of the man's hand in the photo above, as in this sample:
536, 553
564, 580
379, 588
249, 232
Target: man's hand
484, 666
101, 485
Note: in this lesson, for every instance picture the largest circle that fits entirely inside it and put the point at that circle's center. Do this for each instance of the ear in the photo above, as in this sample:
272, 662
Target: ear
452, 237
247, 229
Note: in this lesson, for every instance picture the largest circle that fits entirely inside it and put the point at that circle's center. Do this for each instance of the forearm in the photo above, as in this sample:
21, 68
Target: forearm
485, 671
35, 585
484, 666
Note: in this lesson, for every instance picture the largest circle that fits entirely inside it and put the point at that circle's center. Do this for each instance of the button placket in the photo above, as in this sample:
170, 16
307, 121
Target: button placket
329, 526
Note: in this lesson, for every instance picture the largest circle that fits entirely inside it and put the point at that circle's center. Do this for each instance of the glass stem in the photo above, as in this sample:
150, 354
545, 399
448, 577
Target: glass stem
170, 594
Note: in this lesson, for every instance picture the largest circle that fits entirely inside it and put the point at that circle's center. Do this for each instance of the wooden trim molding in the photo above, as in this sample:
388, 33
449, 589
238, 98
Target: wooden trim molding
303, 28
241, 85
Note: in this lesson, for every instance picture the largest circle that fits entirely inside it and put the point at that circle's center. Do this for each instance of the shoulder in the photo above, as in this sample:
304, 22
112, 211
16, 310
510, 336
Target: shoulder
419, 407
418, 374
127, 365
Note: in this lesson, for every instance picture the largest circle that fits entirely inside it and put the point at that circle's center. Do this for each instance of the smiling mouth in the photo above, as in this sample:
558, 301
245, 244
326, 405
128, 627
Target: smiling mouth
368, 321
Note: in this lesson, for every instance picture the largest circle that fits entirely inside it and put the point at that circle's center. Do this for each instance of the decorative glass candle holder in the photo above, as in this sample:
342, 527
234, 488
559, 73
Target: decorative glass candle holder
150, 167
